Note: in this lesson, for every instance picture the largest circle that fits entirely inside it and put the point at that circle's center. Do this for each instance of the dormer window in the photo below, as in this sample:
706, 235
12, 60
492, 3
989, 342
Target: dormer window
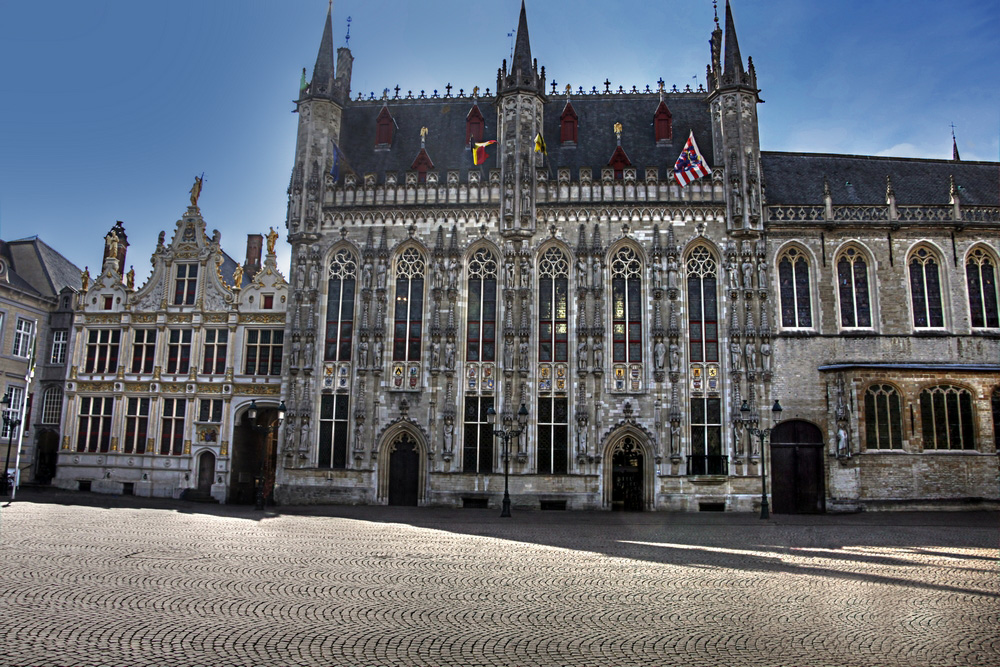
383, 128
568, 124
619, 160
663, 123
421, 165
474, 125
267, 302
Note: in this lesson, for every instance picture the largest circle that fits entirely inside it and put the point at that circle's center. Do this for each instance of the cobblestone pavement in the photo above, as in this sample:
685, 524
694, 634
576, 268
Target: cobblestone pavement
89, 580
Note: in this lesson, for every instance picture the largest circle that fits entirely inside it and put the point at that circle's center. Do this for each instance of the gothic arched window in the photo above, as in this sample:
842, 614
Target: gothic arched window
408, 318
703, 307
341, 282
852, 287
626, 306
793, 281
981, 277
481, 322
925, 289
553, 306
883, 418
946, 417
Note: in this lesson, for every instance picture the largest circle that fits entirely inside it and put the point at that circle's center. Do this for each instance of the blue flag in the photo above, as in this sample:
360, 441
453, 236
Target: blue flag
335, 169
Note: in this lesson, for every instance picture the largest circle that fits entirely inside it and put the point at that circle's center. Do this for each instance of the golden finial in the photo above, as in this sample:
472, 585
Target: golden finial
618, 129
569, 89
475, 91
423, 132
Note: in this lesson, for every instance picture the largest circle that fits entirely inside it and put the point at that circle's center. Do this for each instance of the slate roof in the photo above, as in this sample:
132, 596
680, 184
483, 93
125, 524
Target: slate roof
445, 143
38, 269
797, 179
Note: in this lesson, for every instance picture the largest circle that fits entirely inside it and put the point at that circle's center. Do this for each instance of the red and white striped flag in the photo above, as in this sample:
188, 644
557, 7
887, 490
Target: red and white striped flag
690, 166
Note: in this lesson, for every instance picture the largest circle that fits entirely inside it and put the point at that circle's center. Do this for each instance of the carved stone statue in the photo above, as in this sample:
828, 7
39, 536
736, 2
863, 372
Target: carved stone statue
596, 268
747, 274
85, 278
581, 355
598, 355
765, 356
734, 355
659, 355
380, 275
238, 276
508, 269
734, 276
751, 353
672, 273
843, 442
366, 275
657, 275
363, 354
449, 434
378, 353
508, 355
130, 278
762, 275
523, 354
525, 273
581, 439
113, 245
675, 357
449, 355
581, 271
435, 355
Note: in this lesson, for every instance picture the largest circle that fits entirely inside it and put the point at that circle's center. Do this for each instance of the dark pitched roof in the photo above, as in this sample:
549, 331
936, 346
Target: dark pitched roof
797, 178
36, 268
445, 119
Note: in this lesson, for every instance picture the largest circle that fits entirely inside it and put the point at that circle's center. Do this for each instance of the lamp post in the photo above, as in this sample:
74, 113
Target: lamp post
506, 435
10, 423
266, 429
762, 434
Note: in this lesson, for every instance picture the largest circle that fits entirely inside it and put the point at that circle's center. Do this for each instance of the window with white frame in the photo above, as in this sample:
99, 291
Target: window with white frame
793, 286
22, 337
102, 350
179, 351
12, 410
186, 284
925, 289
211, 410
51, 405
60, 338
93, 433
263, 351
136, 425
143, 350
172, 426
216, 348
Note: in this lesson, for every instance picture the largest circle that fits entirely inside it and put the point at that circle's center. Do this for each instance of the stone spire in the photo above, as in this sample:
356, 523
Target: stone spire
523, 73
323, 74
733, 72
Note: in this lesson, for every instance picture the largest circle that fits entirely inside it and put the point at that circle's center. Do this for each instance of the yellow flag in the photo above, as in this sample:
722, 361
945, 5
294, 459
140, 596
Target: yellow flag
540, 144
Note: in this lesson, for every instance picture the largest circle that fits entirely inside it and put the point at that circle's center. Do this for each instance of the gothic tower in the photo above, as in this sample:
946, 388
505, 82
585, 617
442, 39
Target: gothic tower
733, 98
520, 99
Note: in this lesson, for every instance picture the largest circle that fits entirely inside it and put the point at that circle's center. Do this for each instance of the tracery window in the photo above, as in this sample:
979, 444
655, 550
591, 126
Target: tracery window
852, 287
925, 290
481, 321
409, 317
553, 306
883, 418
703, 309
341, 285
981, 277
793, 281
553, 435
946, 417
626, 306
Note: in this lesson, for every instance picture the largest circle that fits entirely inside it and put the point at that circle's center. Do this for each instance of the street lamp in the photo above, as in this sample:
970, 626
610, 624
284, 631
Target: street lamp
267, 429
10, 423
506, 435
763, 434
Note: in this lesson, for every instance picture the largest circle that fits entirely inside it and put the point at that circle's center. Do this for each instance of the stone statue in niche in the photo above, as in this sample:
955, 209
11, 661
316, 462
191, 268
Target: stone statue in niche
525, 273
734, 355
581, 271
675, 357
581, 355
524, 354
449, 432
734, 275
435, 354
657, 275
449, 355
598, 355
672, 273
843, 441
378, 353
596, 268
452, 273
761, 274
736, 199
366, 275
581, 439
659, 355
380, 275
765, 356
508, 269
747, 274
751, 353
363, 354
508, 354
675, 437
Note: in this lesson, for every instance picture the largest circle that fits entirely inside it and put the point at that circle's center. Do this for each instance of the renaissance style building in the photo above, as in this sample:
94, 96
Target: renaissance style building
646, 328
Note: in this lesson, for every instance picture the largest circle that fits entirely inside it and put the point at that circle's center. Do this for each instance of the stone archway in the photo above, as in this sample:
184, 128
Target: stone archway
628, 471
402, 468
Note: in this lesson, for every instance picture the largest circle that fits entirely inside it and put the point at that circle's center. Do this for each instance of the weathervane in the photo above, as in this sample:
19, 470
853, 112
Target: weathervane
347, 40
715, 7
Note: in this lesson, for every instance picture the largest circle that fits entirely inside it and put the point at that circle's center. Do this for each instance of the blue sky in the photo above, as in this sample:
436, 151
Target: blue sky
109, 108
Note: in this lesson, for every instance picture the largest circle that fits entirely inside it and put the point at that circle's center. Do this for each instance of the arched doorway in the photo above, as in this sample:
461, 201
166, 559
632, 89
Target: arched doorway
251, 447
797, 485
404, 471
627, 463
48, 454
206, 472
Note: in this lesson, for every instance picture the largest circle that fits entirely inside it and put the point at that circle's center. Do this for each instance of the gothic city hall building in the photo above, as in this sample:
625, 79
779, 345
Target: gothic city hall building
567, 305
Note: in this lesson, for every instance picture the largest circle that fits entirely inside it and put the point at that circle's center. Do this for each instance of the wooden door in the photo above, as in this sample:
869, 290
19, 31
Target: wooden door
206, 472
626, 477
404, 472
797, 481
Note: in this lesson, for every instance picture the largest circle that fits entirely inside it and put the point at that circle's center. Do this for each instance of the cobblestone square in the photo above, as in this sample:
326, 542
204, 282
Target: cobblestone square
90, 580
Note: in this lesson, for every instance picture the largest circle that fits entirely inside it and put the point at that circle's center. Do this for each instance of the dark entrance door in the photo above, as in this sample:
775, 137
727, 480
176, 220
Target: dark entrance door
206, 472
626, 477
253, 446
404, 472
48, 454
797, 485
